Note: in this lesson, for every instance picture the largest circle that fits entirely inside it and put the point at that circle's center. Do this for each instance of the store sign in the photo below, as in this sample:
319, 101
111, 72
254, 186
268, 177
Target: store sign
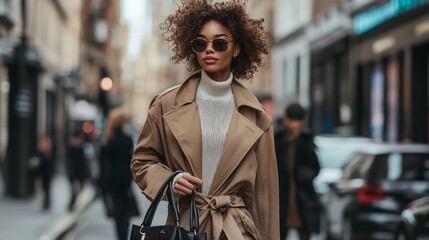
24, 102
375, 16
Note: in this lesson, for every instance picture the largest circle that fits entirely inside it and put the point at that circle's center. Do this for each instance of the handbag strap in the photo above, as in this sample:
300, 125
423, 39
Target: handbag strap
194, 218
148, 218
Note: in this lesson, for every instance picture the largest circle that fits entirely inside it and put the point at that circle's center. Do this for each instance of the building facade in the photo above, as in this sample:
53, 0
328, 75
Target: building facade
291, 54
262, 83
390, 70
8, 16
369, 69
59, 48
151, 69
45, 39
328, 34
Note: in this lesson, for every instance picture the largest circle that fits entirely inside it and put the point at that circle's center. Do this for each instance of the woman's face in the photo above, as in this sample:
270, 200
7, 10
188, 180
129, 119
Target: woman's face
215, 60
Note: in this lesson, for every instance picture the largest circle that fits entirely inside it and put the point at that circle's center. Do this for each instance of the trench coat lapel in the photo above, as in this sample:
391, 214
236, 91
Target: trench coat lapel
184, 123
241, 136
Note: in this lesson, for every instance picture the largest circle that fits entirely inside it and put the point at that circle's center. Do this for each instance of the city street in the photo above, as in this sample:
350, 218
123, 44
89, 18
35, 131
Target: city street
95, 225
24, 219
342, 87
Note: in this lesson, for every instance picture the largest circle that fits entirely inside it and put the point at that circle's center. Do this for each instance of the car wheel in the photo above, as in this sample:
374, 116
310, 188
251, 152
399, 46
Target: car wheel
401, 234
347, 230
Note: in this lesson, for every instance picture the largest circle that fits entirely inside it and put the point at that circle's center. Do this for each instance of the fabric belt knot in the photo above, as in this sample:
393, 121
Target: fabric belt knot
219, 209
220, 203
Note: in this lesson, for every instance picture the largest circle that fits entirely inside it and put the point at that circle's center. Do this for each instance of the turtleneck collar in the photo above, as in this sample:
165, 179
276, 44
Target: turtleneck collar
210, 88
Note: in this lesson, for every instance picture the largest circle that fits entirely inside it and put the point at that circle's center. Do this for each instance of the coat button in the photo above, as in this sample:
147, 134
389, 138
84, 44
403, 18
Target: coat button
233, 200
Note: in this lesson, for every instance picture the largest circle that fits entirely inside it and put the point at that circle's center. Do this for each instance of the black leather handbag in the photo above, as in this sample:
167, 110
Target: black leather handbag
168, 232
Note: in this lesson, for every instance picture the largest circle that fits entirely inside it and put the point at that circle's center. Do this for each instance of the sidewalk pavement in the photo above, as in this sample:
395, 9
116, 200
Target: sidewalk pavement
25, 219
94, 225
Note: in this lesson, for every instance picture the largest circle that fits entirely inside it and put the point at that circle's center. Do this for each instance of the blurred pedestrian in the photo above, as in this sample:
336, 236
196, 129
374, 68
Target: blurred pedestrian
212, 127
76, 166
115, 176
298, 165
46, 168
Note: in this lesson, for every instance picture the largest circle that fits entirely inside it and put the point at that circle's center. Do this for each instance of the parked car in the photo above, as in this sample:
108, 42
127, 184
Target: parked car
333, 151
376, 184
414, 224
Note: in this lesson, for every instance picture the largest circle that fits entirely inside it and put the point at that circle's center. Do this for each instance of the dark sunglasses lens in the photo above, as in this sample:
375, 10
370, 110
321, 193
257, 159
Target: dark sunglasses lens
220, 45
199, 45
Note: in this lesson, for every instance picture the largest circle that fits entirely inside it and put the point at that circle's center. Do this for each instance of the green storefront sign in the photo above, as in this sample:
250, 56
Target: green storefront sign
375, 16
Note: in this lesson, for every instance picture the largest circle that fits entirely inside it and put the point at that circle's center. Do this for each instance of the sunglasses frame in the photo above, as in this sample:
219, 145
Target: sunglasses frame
213, 46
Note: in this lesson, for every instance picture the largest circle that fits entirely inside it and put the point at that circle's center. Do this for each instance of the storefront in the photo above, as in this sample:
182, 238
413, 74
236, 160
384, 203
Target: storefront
390, 71
329, 37
330, 109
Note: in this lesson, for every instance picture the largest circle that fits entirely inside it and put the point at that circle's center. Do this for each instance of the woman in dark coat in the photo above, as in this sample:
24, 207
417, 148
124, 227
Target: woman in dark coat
116, 156
298, 165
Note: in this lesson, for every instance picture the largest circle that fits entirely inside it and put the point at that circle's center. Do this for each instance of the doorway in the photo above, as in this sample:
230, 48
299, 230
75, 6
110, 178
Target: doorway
420, 96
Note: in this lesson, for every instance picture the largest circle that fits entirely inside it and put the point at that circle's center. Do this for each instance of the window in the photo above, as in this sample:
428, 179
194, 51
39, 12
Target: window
297, 75
284, 78
353, 169
405, 167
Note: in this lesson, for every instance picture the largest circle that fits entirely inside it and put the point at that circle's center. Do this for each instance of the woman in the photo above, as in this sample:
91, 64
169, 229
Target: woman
116, 178
212, 127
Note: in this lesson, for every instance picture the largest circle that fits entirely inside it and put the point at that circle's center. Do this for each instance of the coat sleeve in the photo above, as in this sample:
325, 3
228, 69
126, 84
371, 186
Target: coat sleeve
266, 207
312, 159
316, 164
147, 165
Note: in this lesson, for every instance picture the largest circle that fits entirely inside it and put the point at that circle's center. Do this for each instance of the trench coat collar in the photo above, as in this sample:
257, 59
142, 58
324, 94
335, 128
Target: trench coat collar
184, 122
188, 90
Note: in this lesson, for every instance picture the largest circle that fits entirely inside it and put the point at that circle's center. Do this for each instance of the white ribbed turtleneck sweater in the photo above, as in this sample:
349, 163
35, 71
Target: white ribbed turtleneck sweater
216, 105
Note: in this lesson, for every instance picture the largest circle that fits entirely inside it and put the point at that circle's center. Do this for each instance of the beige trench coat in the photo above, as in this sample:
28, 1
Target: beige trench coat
243, 199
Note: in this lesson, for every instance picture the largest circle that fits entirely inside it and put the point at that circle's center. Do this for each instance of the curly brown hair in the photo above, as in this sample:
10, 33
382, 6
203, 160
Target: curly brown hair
184, 25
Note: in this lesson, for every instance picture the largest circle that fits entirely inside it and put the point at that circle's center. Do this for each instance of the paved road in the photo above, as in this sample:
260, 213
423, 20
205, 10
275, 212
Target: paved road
94, 224
24, 219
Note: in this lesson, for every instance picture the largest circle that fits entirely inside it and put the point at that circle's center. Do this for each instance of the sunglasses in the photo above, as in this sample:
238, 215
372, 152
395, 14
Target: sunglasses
218, 44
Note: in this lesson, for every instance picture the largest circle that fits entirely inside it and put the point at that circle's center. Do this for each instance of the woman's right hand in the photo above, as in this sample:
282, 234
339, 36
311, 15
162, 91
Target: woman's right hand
186, 184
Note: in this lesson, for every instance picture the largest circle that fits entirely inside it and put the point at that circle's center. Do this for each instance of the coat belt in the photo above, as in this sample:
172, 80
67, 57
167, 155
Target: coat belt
219, 209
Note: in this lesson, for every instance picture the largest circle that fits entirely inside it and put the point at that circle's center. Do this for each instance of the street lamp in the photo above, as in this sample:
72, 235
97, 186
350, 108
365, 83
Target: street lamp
23, 68
106, 84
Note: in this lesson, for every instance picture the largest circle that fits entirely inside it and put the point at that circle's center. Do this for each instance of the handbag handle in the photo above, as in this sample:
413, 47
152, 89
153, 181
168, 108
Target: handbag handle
194, 224
147, 221
193, 218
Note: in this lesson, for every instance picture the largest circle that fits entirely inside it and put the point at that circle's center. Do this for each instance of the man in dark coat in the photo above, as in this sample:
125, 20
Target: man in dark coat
298, 165
76, 166
46, 157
